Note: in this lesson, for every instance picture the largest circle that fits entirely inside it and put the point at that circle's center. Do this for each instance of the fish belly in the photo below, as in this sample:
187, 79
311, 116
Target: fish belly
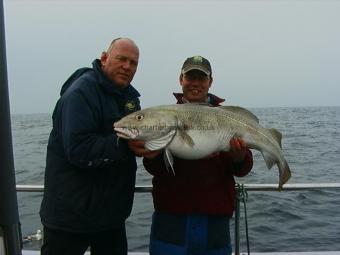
203, 146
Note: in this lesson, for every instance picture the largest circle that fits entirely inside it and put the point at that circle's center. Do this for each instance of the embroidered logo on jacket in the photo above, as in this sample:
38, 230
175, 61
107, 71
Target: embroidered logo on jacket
130, 105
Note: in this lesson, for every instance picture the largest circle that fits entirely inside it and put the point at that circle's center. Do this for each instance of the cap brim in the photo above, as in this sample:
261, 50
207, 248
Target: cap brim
200, 68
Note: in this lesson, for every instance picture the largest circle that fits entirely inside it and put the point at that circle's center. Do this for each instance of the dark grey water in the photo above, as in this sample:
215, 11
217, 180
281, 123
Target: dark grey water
278, 221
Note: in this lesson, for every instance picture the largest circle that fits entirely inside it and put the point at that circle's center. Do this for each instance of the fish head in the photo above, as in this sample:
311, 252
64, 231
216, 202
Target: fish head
147, 124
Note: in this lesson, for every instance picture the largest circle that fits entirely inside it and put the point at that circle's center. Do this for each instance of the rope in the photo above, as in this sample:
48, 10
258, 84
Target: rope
242, 197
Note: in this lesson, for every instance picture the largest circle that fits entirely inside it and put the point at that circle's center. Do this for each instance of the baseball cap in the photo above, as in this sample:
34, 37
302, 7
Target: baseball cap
196, 63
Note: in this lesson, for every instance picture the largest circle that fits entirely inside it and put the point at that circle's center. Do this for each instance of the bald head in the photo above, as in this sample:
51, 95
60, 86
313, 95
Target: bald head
120, 61
122, 40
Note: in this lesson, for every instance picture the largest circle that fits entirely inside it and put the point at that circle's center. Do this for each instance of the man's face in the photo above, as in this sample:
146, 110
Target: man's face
120, 63
195, 85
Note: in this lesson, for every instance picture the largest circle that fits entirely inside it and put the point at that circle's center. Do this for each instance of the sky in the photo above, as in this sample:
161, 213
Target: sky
269, 53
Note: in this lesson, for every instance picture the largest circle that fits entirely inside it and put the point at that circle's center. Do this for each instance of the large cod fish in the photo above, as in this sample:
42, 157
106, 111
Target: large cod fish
193, 131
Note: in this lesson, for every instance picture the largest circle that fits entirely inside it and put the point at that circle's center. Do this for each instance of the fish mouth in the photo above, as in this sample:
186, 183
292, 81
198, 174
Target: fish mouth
126, 133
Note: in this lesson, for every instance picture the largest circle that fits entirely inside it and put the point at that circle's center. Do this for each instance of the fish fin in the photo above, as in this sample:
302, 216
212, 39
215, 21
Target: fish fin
160, 143
182, 131
186, 137
169, 161
269, 159
276, 135
240, 110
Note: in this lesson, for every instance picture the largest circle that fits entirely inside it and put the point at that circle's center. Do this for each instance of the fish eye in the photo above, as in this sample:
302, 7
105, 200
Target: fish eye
139, 116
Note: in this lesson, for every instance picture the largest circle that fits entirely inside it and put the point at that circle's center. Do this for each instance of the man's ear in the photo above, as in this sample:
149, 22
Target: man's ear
180, 79
103, 57
211, 81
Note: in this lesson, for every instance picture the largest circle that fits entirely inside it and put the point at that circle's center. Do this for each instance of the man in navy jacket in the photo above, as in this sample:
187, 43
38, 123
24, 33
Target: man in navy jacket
90, 175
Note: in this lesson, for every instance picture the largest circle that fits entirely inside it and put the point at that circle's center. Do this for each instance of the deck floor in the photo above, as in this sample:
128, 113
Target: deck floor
25, 252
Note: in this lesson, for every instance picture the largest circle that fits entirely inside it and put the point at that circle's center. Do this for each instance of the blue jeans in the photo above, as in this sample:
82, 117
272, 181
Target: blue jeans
189, 235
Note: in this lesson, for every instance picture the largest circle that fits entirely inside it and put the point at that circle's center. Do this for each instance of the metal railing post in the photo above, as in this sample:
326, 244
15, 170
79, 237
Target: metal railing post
9, 215
237, 221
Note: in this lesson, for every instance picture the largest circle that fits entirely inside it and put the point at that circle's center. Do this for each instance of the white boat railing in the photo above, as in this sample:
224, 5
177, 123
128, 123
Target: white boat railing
248, 187
239, 188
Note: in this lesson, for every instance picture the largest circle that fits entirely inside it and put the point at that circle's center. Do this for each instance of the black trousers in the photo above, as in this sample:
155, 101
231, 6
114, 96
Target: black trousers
58, 242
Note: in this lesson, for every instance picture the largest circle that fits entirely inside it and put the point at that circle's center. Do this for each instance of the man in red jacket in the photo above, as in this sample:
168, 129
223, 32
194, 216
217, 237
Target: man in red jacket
193, 207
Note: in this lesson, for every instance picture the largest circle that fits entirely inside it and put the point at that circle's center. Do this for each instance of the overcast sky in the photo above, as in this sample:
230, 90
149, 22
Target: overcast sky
263, 53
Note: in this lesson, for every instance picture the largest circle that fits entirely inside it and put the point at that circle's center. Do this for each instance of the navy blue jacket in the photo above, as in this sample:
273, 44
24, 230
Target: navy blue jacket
89, 176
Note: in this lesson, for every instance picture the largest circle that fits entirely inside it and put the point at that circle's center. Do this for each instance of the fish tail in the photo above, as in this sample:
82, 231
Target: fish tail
285, 173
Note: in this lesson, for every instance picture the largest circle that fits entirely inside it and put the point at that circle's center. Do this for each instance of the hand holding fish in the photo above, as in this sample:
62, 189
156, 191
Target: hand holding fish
238, 149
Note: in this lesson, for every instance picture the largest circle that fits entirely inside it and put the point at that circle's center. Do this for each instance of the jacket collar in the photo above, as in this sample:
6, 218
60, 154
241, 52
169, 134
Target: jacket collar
212, 99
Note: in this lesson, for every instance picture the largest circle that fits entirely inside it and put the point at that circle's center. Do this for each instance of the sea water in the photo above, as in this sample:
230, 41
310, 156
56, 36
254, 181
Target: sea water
277, 221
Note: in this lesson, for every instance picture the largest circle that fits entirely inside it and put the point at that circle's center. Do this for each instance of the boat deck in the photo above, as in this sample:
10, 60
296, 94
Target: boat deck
25, 252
